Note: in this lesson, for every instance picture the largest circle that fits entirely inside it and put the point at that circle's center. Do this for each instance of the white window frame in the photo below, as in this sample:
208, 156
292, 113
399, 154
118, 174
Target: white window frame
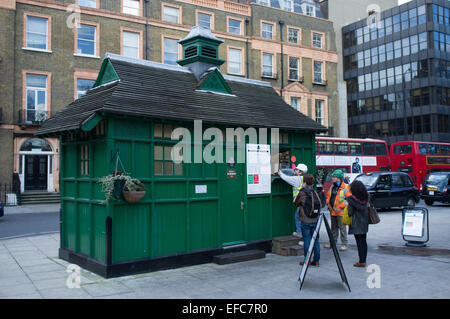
310, 10
36, 91
288, 5
316, 72
205, 14
82, 91
266, 32
88, 3
296, 69
319, 115
128, 8
317, 43
168, 52
271, 65
231, 63
165, 15
46, 33
297, 106
233, 27
95, 40
289, 38
125, 32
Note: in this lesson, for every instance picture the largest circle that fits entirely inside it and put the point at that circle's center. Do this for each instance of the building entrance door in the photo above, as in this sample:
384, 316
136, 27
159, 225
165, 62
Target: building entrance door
36, 172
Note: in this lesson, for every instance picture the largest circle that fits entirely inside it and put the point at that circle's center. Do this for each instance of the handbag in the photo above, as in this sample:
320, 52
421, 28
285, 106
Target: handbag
373, 214
346, 220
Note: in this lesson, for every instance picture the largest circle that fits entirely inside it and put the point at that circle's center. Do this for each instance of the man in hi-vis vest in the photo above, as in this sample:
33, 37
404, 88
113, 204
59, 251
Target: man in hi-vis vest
296, 181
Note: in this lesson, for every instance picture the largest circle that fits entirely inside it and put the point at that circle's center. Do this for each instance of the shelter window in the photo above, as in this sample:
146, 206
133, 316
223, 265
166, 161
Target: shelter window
84, 159
282, 160
163, 163
163, 130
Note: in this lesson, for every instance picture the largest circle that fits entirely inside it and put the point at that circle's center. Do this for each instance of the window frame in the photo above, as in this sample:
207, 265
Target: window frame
140, 43
241, 25
322, 111
48, 48
299, 35
210, 14
298, 68
97, 4
48, 89
241, 62
84, 74
262, 23
323, 77
122, 6
164, 36
173, 6
96, 43
322, 42
273, 65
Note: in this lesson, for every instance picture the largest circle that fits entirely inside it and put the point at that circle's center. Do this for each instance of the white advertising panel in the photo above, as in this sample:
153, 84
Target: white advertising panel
258, 169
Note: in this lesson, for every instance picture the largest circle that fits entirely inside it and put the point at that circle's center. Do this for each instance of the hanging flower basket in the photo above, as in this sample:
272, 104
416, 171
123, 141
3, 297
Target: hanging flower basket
134, 191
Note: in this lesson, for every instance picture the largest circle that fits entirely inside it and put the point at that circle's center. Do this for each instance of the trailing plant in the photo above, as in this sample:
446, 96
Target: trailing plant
108, 184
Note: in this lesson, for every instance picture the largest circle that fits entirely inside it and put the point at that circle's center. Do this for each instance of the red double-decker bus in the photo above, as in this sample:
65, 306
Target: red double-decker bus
351, 155
420, 158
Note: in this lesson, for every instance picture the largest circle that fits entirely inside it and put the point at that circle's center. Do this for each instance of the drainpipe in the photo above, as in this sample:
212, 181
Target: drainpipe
282, 63
246, 47
147, 42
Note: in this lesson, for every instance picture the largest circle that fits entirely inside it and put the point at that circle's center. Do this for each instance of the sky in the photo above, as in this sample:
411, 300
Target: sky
402, 1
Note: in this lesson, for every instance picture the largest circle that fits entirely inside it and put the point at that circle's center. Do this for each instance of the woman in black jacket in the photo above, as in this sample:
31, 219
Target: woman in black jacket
357, 209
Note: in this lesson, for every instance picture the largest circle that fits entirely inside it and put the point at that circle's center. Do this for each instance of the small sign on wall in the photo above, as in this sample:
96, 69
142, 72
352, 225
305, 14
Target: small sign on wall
201, 189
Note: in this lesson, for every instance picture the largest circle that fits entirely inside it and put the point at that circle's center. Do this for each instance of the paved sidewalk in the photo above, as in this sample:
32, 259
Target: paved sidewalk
29, 209
30, 268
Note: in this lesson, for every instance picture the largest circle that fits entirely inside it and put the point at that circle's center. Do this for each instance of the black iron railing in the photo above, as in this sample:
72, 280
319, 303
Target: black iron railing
9, 194
33, 117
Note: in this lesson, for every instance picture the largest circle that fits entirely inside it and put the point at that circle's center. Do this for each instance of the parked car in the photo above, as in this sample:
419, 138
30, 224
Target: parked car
390, 189
436, 188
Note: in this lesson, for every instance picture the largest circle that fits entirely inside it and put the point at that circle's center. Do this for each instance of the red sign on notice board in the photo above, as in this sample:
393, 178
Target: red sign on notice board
256, 179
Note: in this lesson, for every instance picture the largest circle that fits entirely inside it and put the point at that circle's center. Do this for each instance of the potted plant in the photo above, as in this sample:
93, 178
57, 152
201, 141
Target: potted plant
118, 183
134, 190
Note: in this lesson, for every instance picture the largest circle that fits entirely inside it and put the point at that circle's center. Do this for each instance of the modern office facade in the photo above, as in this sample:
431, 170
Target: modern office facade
51, 52
397, 70
342, 13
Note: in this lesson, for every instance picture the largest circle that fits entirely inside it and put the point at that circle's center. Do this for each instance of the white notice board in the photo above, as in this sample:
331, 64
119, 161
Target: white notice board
258, 169
413, 223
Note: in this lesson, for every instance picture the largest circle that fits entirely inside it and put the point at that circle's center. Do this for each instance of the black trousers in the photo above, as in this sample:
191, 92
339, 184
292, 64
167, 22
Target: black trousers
361, 242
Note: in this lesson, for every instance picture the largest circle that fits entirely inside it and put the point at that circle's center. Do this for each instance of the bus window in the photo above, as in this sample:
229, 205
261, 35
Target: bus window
355, 148
433, 149
369, 148
381, 149
325, 147
445, 149
423, 149
340, 148
404, 149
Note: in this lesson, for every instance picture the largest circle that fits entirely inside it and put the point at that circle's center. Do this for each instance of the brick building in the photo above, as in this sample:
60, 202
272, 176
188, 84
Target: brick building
51, 52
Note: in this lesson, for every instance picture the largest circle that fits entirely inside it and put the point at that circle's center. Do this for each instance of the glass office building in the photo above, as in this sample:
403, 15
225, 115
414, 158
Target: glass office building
397, 70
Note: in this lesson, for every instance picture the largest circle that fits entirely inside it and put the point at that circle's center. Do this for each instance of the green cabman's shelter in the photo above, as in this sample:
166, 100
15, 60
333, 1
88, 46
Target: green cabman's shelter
193, 209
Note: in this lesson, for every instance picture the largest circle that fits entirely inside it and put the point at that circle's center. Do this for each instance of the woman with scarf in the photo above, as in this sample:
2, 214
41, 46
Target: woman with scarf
357, 209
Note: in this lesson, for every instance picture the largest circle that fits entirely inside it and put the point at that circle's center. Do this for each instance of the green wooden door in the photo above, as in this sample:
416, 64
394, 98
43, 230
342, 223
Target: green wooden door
232, 203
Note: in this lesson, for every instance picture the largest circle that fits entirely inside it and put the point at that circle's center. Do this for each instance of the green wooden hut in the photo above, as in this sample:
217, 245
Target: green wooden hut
191, 211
